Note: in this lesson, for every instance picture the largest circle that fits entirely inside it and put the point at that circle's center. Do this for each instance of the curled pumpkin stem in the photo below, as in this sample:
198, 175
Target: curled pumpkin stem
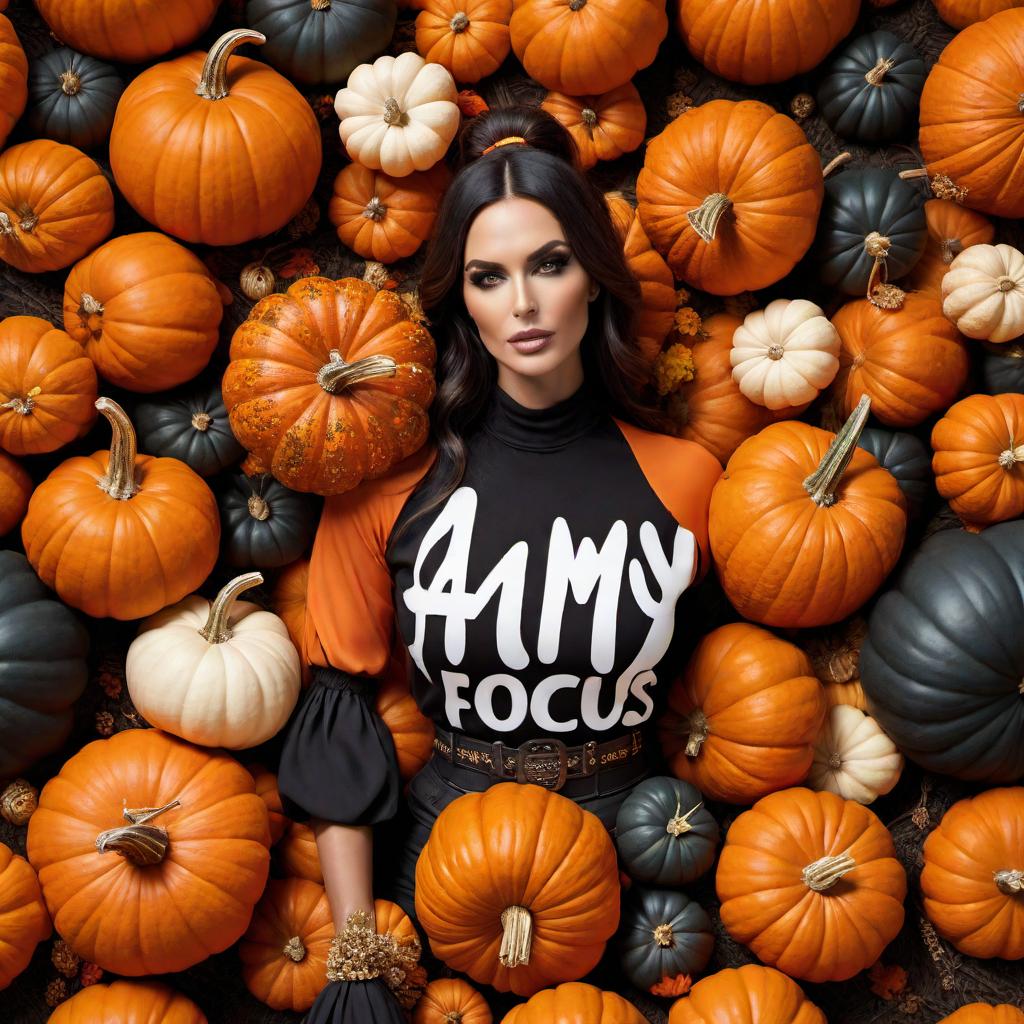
680, 824
516, 937
823, 483
216, 630
138, 842
836, 161
822, 874
951, 248
213, 81
1014, 454
704, 220
119, 480
337, 375
698, 724
294, 949
877, 74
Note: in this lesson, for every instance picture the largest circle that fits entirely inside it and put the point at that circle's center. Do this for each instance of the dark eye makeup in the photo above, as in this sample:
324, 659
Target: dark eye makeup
557, 262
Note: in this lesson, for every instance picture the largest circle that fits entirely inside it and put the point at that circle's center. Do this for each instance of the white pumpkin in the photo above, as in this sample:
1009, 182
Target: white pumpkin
785, 354
853, 757
983, 292
398, 114
224, 674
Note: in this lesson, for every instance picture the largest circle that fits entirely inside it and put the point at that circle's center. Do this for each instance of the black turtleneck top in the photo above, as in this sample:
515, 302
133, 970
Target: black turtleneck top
540, 599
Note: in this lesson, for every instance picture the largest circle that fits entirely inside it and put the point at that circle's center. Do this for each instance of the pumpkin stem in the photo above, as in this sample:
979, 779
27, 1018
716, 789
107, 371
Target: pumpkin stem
1010, 882
835, 760
951, 248
776, 352
1011, 456
704, 220
374, 209
6, 227
216, 630
821, 485
589, 118
878, 72
453, 1017
213, 82
258, 507
320, 5
880, 292
823, 873
698, 724
576, 5
1006, 283
677, 824
119, 480
70, 82
516, 936
138, 842
914, 172
293, 948
664, 936
836, 161
201, 421
28, 219
459, 23
393, 113
23, 406
1020, 103
337, 375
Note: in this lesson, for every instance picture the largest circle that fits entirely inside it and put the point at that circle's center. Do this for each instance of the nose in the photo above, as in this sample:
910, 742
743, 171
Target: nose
523, 302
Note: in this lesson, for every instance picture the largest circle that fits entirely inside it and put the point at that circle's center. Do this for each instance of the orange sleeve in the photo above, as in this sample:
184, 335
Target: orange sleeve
350, 617
682, 474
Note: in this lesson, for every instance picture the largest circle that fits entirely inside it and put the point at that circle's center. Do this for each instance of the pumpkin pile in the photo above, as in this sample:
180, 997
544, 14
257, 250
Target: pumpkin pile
212, 218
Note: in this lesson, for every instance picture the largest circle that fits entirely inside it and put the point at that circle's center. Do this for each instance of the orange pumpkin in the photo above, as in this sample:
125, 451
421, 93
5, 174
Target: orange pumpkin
951, 229
603, 126
24, 921
296, 854
228, 157
383, 218
13, 78
971, 129
552, 896
743, 719
329, 383
729, 194
411, 731
15, 490
140, 1002
391, 919
983, 1013
266, 788
145, 309
151, 852
586, 46
810, 882
973, 875
55, 205
750, 994
760, 41
574, 1002
47, 387
284, 951
911, 361
451, 1001
110, 556
961, 13
288, 601
804, 525
469, 37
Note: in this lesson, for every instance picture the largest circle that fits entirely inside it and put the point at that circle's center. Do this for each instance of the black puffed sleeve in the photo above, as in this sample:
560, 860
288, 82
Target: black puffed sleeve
355, 1002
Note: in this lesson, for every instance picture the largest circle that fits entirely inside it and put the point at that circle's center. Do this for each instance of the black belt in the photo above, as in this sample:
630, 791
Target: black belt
545, 762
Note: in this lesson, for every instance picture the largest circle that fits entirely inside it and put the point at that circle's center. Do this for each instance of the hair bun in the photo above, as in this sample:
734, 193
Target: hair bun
536, 126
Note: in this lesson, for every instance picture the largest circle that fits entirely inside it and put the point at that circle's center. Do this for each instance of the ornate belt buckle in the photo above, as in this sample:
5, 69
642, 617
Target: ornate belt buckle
543, 762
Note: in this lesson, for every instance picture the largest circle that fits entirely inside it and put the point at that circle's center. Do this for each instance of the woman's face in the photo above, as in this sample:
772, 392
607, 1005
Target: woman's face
520, 274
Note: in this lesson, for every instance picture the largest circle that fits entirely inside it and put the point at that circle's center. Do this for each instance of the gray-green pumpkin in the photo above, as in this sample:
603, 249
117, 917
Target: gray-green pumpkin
908, 458
664, 833
1002, 369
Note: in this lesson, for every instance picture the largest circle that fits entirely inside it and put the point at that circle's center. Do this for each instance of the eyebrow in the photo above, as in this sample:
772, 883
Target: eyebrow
535, 255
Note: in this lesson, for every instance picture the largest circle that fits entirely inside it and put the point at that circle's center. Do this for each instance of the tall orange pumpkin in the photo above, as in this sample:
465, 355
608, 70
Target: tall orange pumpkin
469, 37
750, 994
603, 126
119, 534
329, 383
55, 205
810, 882
13, 78
24, 922
551, 898
232, 149
572, 1003
729, 194
951, 229
15, 490
743, 719
140, 1002
805, 525
151, 852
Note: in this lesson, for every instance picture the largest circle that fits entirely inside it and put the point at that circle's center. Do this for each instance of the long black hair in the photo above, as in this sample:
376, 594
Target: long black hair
547, 171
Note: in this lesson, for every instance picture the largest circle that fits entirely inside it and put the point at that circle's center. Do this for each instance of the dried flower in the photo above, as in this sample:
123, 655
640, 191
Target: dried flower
407, 984
671, 987
110, 683
322, 104
305, 221
378, 275
677, 103
471, 103
64, 959
920, 817
300, 264
909, 1004
91, 973
104, 723
687, 321
682, 297
887, 981
943, 187
18, 801
674, 366
56, 992
414, 306
802, 105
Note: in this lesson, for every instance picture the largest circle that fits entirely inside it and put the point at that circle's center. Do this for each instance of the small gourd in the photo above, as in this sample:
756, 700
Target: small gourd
983, 292
853, 757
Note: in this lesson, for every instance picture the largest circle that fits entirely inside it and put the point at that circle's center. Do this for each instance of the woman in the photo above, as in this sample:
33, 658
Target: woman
531, 555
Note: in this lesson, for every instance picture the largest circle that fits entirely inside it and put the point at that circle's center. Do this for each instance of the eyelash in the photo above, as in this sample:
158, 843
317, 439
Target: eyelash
559, 262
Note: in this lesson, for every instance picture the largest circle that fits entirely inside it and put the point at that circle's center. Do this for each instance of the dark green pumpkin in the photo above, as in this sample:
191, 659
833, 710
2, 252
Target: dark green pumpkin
43, 648
859, 204
872, 89
943, 660
264, 525
191, 425
1002, 369
662, 933
314, 41
72, 98
664, 833
907, 457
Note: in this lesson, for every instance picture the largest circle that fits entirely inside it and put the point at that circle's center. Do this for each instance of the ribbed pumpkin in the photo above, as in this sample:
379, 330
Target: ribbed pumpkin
912, 362
15, 490
951, 229
119, 534
451, 1001
55, 205
805, 526
470, 38
810, 882
411, 730
759, 41
266, 788
140, 1002
13, 78
973, 874
126, 30
1002, 370
972, 130
288, 600
961, 13
151, 852
909, 460
709, 204
329, 383
284, 951
572, 1002
47, 387
296, 854
552, 898
145, 309
584, 47
984, 1013
383, 218
602, 126
232, 148
743, 719
750, 994
25, 922
983, 293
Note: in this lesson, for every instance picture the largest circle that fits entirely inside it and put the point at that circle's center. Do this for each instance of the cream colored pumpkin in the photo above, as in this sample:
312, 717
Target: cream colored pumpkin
224, 674
398, 114
983, 292
853, 757
785, 354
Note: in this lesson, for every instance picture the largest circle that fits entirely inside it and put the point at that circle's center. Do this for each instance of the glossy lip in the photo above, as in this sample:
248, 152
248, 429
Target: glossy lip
535, 332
